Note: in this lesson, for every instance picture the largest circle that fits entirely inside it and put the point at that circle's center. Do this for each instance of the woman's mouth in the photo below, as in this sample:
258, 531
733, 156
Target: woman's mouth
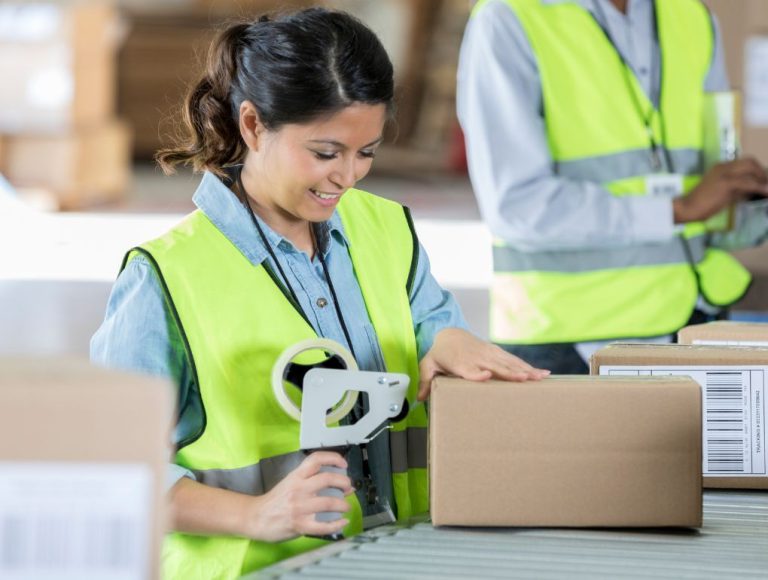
325, 198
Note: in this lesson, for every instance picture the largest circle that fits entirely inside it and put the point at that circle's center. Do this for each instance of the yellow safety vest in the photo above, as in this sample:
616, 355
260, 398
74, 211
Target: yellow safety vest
235, 321
595, 111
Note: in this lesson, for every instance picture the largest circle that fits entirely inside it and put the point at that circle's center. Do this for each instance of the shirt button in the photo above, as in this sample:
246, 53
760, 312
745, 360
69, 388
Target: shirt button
643, 71
322, 302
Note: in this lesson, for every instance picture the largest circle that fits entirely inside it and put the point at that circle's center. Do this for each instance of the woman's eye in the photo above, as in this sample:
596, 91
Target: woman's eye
370, 154
324, 156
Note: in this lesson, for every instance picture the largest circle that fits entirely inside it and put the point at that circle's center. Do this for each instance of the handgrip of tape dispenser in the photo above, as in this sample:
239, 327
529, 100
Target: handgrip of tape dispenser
278, 375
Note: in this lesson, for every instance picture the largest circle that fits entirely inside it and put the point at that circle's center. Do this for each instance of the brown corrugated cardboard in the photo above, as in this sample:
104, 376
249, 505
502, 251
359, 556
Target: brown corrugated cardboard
66, 428
57, 64
725, 333
78, 169
734, 381
566, 452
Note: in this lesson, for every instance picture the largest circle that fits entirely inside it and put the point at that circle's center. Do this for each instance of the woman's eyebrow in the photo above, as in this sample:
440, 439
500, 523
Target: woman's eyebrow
342, 146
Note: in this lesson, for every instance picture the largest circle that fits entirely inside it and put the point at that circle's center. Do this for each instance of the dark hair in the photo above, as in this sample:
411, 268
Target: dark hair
294, 69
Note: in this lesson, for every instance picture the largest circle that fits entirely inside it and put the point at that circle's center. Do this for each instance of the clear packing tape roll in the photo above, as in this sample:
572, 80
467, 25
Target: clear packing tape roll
279, 371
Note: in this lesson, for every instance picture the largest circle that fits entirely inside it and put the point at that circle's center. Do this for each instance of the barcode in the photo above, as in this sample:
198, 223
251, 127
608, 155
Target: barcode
724, 421
45, 543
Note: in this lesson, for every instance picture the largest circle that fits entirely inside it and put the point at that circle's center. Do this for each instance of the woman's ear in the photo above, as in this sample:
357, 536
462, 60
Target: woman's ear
251, 128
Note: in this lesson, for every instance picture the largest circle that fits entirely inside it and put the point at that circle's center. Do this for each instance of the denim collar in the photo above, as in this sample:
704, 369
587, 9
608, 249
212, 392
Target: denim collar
220, 205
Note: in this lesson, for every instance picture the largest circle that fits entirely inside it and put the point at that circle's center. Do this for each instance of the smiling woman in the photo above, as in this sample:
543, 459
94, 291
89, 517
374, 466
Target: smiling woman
283, 248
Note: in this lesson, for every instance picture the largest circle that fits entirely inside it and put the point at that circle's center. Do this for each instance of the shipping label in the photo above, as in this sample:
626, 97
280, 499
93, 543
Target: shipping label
732, 342
734, 414
70, 521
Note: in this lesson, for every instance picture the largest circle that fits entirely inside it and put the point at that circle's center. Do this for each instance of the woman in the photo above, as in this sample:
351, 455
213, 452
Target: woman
286, 120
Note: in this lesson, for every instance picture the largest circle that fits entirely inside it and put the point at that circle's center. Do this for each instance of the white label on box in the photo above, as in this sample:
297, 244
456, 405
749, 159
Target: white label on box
732, 342
733, 414
84, 521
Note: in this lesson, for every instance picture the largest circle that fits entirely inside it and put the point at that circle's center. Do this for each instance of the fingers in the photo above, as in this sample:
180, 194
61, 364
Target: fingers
748, 184
427, 371
746, 165
314, 461
320, 504
326, 479
746, 176
311, 527
506, 366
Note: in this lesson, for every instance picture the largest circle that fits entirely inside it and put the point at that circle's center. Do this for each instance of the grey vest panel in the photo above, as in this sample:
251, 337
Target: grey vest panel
255, 479
508, 259
607, 168
408, 449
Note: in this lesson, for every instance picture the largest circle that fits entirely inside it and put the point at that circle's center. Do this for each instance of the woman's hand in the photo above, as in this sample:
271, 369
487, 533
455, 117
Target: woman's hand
459, 353
285, 512
288, 510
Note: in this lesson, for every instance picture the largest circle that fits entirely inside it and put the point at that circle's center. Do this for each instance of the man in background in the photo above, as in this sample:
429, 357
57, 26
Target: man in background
584, 124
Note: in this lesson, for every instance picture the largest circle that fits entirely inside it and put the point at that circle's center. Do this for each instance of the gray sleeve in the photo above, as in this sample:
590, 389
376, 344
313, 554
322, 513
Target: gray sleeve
717, 78
499, 106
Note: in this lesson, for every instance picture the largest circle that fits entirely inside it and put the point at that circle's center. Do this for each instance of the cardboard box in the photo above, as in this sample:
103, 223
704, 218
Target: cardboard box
83, 463
725, 333
78, 169
734, 382
57, 64
567, 452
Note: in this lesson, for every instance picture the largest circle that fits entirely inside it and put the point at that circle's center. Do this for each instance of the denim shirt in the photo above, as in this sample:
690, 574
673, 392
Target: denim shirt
138, 332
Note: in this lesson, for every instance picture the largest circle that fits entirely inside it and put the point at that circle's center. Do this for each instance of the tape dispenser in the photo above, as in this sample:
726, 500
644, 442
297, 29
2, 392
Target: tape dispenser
329, 392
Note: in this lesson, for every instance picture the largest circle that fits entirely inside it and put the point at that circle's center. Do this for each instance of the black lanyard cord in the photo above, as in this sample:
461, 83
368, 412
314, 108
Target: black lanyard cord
264, 238
358, 411
282, 272
335, 301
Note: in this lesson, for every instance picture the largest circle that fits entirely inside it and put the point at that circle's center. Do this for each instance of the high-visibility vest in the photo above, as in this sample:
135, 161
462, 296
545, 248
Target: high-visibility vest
594, 111
235, 321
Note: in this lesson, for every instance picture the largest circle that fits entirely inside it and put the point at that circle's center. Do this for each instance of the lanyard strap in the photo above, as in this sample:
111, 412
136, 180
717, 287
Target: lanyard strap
657, 149
283, 276
368, 484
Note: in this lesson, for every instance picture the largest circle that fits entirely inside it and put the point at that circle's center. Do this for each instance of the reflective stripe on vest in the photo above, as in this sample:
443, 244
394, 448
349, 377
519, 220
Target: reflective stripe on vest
616, 166
248, 442
630, 291
408, 450
508, 259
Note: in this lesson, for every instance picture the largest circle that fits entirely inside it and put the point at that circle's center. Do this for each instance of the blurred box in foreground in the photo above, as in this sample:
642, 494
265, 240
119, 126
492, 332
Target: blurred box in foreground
566, 452
734, 382
83, 458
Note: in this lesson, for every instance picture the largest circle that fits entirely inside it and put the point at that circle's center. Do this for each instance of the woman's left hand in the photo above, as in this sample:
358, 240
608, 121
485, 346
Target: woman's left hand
459, 353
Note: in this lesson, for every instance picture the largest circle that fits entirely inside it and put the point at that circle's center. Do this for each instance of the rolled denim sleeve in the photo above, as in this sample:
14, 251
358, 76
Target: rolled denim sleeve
138, 334
432, 307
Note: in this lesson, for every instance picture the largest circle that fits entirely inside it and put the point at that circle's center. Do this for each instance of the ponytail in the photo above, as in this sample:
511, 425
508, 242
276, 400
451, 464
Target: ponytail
211, 134
294, 69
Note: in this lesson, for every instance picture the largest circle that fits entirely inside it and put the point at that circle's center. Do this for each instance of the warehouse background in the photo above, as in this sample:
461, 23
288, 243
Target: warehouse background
89, 90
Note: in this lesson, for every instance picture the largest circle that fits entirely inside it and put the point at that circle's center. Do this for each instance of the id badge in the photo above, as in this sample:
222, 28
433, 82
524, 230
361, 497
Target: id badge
664, 185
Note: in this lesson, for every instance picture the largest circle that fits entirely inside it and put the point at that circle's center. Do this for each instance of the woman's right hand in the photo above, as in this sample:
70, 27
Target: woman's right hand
289, 509
722, 185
